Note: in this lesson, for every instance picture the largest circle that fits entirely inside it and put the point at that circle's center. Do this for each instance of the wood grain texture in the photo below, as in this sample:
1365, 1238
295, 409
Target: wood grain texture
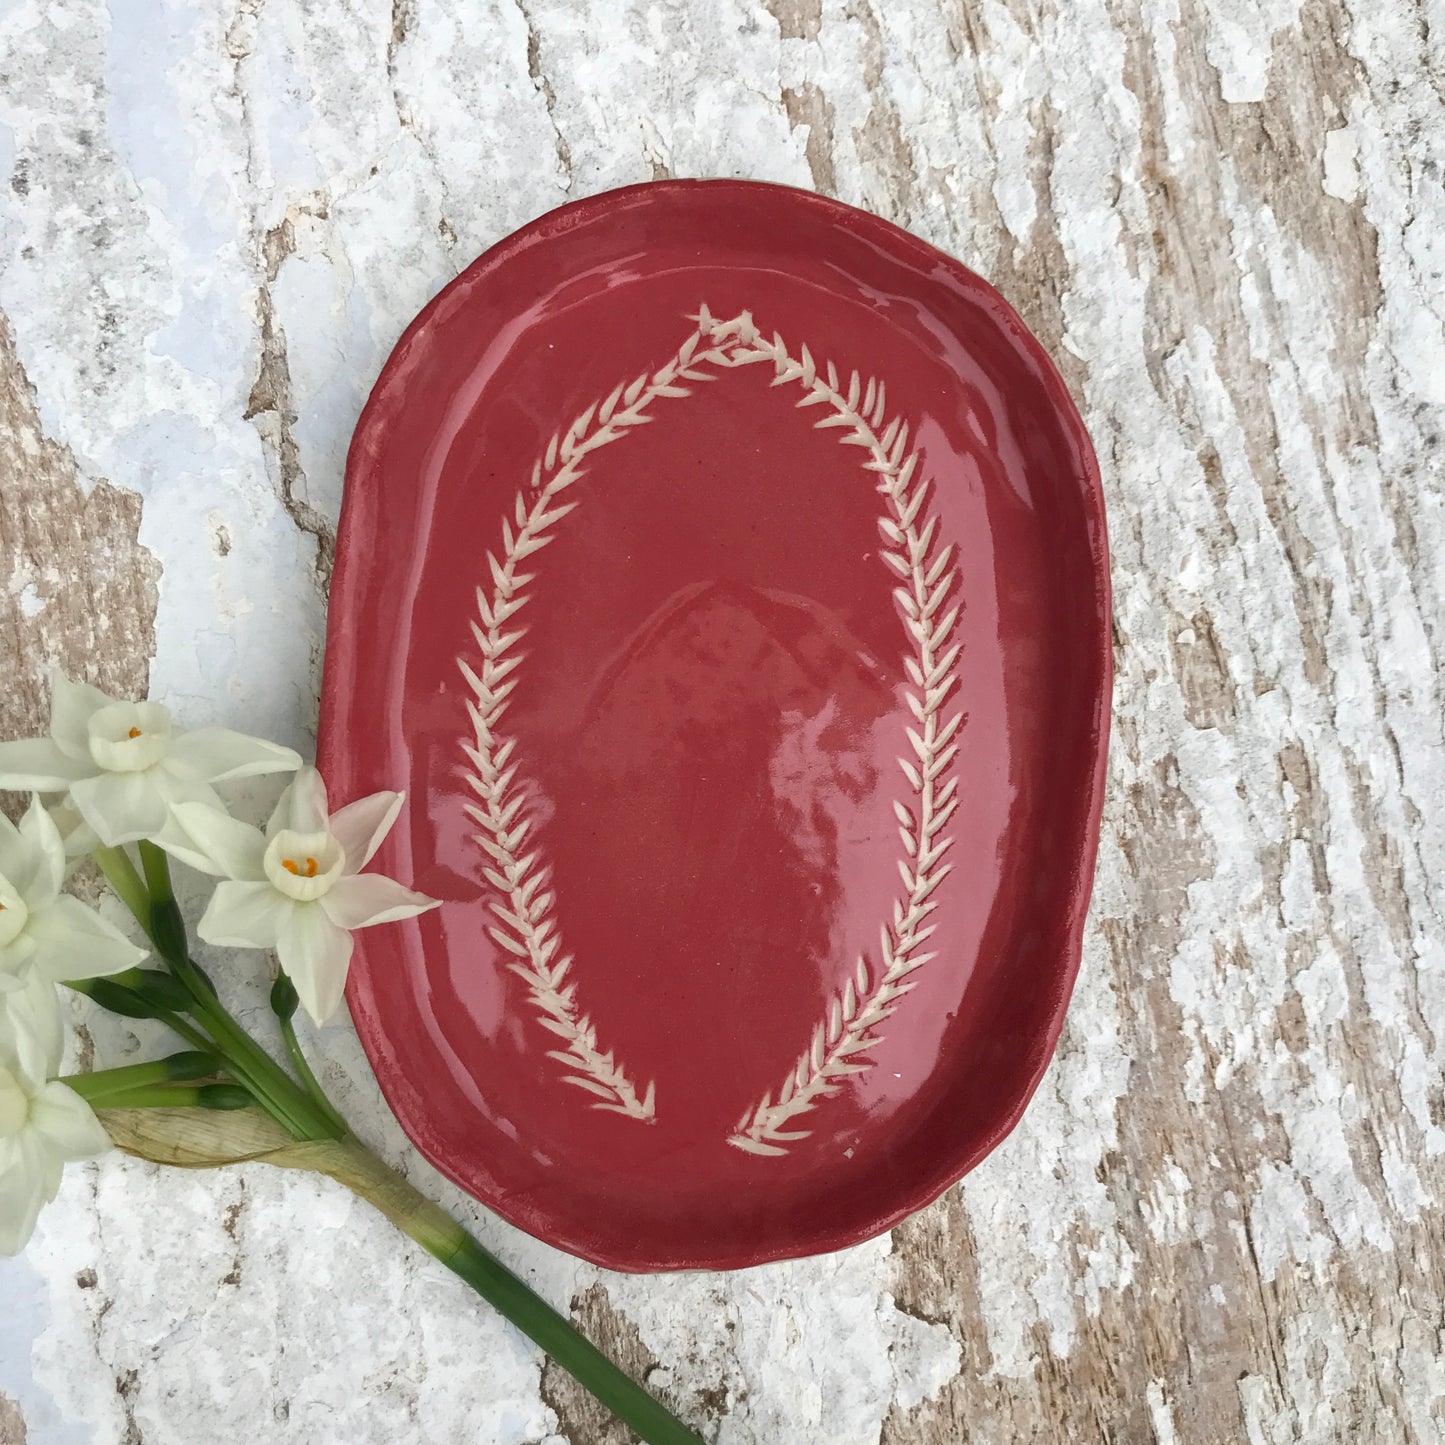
1220, 1219
1285, 1074
82, 590
580, 1416
12, 1423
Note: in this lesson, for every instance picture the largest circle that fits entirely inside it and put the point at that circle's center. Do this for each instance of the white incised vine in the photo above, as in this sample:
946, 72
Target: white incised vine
527, 927
927, 578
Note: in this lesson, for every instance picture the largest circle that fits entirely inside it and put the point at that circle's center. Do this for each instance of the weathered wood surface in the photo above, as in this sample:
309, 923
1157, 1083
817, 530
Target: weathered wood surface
1220, 1219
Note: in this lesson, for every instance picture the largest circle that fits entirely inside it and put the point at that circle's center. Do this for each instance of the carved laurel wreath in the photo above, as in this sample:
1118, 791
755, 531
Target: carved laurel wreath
526, 926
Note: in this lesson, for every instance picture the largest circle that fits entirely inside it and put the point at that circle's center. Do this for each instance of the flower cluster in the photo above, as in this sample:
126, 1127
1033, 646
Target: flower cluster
120, 774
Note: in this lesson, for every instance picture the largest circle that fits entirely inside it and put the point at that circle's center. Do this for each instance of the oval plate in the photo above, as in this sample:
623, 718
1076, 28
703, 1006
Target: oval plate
723, 572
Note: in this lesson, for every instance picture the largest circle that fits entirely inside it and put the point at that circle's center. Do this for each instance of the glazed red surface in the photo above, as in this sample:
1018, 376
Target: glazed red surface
707, 716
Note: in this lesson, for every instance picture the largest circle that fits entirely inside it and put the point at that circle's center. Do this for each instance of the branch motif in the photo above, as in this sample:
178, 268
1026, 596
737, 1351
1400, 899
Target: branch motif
526, 926
524, 905
927, 577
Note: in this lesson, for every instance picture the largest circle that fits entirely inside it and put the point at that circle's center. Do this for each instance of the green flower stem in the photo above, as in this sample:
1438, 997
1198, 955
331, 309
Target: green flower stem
102, 1084
313, 1084
441, 1236
121, 874
286, 1101
174, 1022
156, 865
127, 978
192, 1036
253, 1067
143, 1096
220, 1097
558, 1337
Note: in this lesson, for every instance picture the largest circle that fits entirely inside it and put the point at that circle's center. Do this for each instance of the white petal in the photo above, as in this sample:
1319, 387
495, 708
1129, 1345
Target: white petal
121, 807
130, 737
50, 1169
15, 960
46, 1168
73, 941
303, 865
212, 755
369, 898
317, 954
72, 705
182, 790
32, 1038
67, 1125
22, 1196
211, 840
80, 838
174, 791
37, 765
176, 841
244, 915
302, 807
47, 852
360, 826
16, 863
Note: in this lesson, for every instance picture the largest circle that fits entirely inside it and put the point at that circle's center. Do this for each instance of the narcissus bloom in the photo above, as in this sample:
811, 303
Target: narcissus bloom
44, 1125
45, 935
124, 765
297, 887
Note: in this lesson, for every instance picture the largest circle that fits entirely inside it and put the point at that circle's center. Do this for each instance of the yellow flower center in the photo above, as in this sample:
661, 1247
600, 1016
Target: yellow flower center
129, 737
303, 866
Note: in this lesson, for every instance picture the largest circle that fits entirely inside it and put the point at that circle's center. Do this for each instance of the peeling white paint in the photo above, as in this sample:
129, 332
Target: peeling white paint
1279, 1222
1342, 174
1166, 1211
1161, 1417
1238, 46
925, 1357
1043, 1183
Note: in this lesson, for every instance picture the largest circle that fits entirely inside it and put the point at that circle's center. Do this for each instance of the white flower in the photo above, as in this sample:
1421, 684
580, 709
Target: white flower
45, 935
124, 765
44, 1125
297, 887
30, 1019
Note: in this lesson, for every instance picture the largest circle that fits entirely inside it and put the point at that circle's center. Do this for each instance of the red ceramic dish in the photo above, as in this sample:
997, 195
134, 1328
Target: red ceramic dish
723, 572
